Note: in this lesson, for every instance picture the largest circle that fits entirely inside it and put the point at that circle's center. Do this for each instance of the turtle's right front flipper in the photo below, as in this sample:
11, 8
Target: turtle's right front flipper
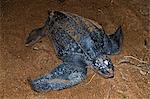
36, 35
64, 76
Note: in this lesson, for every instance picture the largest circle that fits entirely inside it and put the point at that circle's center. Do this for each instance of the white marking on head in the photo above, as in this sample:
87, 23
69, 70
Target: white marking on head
106, 62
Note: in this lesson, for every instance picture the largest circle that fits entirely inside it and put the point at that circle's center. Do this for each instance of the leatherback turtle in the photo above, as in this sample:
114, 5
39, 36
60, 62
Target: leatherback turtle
80, 43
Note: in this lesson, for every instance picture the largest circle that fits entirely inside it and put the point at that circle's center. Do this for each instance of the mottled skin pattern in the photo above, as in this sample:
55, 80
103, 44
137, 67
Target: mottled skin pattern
79, 43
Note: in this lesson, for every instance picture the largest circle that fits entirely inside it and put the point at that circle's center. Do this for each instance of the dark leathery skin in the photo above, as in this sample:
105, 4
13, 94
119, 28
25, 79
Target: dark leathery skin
79, 43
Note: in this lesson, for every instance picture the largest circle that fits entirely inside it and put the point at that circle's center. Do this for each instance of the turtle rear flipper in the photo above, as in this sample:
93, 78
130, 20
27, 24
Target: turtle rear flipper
64, 76
35, 36
116, 41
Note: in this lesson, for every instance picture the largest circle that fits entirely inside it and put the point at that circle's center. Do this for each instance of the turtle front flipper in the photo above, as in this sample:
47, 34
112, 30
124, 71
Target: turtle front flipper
35, 35
64, 76
116, 40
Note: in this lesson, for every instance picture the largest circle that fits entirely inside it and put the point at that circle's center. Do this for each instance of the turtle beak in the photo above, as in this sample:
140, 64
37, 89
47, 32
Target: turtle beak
107, 74
110, 74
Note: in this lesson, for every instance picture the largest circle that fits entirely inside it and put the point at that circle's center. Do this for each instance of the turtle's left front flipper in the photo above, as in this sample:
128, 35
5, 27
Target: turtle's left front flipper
113, 43
64, 76
116, 40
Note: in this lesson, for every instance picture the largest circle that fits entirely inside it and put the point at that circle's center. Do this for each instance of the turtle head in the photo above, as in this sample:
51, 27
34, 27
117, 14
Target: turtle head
103, 66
